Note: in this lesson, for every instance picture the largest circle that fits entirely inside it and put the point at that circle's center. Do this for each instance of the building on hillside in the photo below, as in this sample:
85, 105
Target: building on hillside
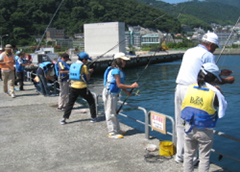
99, 38
132, 38
223, 36
53, 34
150, 39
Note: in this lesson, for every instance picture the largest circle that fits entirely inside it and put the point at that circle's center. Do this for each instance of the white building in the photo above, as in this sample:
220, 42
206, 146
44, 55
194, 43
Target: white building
102, 37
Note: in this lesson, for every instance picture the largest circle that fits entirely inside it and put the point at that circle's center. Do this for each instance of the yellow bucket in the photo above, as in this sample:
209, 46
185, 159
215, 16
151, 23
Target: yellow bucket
167, 148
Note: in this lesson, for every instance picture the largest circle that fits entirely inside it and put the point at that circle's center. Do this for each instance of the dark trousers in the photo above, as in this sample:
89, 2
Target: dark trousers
84, 93
43, 85
20, 76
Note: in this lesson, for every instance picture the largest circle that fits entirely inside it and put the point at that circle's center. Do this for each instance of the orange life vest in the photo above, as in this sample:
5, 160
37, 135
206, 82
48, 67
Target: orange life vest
6, 58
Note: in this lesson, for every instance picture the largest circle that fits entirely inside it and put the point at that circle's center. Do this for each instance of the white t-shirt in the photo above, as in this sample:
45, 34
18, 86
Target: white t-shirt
192, 61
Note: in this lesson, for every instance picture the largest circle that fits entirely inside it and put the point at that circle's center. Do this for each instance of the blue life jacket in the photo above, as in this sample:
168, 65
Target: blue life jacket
75, 72
19, 67
43, 66
111, 84
56, 68
197, 108
106, 75
66, 68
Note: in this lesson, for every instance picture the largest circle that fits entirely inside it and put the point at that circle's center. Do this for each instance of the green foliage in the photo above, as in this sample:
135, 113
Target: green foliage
22, 18
200, 13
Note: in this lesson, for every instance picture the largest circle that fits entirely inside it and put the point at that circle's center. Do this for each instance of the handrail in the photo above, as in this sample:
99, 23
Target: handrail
145, 115
147, 125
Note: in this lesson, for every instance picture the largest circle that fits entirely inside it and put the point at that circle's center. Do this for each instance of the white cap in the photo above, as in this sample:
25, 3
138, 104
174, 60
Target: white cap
211, 37
212, 68
1, 48
121, 56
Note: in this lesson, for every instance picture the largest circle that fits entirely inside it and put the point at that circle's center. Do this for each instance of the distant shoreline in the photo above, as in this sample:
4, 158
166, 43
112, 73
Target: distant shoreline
228, 51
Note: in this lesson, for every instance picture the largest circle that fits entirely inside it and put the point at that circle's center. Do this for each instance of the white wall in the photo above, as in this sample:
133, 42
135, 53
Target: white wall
101, 37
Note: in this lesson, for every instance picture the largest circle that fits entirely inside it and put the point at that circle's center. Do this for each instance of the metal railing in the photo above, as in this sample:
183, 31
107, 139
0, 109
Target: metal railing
147, 123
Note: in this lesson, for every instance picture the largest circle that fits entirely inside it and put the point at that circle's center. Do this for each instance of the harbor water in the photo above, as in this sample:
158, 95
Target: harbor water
157, 86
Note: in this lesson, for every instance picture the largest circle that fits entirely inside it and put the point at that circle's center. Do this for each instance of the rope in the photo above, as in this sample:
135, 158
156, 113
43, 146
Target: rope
151, 158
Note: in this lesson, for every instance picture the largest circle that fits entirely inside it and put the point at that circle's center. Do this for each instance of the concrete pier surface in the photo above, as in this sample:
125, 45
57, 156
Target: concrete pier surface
32, 140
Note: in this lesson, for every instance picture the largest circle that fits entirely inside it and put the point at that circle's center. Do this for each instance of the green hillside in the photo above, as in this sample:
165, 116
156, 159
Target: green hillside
211, 11
22, 19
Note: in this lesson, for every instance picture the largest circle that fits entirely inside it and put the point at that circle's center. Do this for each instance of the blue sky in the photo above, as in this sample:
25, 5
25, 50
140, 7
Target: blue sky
175, 1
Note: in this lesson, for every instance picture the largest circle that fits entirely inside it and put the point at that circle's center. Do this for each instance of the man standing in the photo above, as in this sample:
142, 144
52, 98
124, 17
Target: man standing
7, 64
20, 66
191, 64
63, 77
1, 50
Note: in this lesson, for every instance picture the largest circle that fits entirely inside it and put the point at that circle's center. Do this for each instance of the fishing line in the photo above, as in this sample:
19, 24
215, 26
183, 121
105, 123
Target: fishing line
49, 24
107, 52
136, 81
227, 41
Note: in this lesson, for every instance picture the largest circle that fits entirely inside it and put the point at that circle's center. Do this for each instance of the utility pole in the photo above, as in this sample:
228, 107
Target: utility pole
2, 38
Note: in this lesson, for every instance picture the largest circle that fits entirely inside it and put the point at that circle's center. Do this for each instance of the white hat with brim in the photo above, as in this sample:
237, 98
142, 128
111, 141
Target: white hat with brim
121, 56
212, 68
211, 37
8, 47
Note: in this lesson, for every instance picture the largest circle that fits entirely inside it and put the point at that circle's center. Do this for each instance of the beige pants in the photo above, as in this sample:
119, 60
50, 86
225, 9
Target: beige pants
198, 139
110, 107
8, 77
63, 94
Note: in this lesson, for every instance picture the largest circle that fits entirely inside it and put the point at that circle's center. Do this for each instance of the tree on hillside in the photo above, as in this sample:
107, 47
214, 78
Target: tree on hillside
20, 19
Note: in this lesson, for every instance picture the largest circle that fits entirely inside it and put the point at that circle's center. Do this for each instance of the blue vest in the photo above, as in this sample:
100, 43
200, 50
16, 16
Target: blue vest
197, 108
111, 84
75, 72
19, 67
43, 66
66, 68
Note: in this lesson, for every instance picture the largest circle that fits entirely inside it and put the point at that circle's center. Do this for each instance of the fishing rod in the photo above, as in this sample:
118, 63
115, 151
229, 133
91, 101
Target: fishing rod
136, 81
49, 24
227, 41
107, 52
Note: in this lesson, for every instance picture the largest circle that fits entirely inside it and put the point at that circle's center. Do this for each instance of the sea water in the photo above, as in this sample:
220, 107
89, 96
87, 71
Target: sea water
157, 87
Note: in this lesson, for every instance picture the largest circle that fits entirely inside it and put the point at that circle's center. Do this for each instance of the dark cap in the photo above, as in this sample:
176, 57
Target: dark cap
65, 56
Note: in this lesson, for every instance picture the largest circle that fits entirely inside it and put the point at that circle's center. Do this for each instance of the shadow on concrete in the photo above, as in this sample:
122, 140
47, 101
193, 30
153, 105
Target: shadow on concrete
133, 131
82, 120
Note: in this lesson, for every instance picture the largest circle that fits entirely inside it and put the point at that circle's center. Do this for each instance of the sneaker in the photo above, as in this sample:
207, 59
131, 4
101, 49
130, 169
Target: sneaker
13, 95
93, 120
122, 132
59, 109
115, 136
63, 121
178, 159
195, 161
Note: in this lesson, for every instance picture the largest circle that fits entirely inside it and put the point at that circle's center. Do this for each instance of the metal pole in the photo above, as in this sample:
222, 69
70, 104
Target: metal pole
2, 38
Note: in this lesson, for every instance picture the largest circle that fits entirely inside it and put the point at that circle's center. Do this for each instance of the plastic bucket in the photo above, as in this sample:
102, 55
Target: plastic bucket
166, 148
